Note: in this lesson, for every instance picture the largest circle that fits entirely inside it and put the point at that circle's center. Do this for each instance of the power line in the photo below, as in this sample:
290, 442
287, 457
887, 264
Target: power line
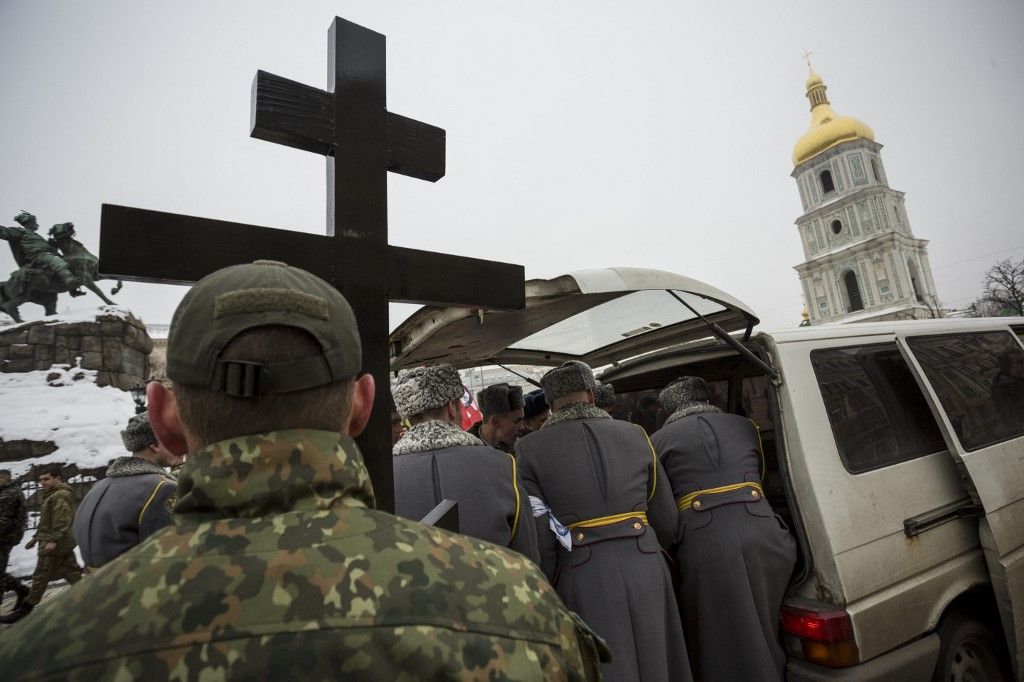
968, 260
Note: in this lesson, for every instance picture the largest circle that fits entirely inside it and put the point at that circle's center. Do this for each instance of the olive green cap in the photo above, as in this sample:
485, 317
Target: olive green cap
227, 302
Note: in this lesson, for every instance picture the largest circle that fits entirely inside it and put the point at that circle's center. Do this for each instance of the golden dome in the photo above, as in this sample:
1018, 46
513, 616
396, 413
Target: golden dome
827, 128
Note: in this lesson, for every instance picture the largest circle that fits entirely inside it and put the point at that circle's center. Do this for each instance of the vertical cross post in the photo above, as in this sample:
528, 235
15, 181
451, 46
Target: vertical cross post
349, 123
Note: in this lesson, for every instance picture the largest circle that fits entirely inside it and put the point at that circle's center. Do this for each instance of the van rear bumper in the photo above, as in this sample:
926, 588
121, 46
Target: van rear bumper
915, 661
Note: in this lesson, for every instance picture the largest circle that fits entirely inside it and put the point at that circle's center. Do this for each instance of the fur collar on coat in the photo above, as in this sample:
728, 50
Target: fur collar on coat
434, 435
576, 411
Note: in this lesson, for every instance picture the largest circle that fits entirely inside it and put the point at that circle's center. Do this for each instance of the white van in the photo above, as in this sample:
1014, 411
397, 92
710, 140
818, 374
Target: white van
895, 453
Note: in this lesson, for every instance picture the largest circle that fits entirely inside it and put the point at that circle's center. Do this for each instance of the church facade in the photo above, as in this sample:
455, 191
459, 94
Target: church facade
861, 259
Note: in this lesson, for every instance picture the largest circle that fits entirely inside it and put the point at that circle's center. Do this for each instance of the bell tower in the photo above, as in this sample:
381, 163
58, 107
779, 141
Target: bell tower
861, 259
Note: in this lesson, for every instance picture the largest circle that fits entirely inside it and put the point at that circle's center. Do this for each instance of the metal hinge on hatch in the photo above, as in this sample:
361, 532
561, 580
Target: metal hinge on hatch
773, 374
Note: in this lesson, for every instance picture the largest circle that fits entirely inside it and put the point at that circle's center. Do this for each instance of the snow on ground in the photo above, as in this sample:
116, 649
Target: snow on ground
83, 419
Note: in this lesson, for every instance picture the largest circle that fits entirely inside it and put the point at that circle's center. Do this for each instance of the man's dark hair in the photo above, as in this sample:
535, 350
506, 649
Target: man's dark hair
54, 471
211, 416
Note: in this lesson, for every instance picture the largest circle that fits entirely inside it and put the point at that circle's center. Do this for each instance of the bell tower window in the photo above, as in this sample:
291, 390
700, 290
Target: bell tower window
826, 182
874, 171
837, 227
853, 291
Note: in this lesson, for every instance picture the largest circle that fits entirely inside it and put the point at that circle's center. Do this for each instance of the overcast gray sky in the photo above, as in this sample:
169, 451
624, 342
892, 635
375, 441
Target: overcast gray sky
580, 133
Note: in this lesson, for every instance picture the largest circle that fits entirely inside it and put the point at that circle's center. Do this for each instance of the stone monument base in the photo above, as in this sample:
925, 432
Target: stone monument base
115, 344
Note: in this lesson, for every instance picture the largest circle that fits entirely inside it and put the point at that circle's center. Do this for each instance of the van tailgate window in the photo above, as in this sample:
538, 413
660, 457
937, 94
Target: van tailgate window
979, 379
878, 414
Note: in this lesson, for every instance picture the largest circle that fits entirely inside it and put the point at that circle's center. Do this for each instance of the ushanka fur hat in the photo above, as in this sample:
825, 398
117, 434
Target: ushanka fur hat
682, 391
572, 377
499, 399
604, 395
138, 435
426, 388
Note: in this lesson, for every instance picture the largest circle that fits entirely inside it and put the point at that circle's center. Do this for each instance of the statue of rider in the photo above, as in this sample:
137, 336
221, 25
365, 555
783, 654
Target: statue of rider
32, 250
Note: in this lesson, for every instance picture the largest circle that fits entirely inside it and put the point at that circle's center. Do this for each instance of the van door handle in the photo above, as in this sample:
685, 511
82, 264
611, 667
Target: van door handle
961, 509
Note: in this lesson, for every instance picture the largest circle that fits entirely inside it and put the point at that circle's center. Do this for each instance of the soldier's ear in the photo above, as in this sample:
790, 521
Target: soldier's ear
363, 390
455, 410
162, 407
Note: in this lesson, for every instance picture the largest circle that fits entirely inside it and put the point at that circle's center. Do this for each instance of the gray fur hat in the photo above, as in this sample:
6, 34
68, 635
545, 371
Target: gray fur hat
138, 435
604, 394
571, 377
426, 388
682, 391
499, 399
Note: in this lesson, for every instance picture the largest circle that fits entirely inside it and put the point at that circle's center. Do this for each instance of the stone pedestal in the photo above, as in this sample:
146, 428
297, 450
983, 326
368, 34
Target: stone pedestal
116, 345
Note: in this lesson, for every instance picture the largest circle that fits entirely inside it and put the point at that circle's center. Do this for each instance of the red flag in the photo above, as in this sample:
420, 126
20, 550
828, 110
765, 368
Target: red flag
470, 414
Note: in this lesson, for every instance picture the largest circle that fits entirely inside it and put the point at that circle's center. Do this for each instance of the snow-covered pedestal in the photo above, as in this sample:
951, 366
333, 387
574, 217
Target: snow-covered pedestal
113, 342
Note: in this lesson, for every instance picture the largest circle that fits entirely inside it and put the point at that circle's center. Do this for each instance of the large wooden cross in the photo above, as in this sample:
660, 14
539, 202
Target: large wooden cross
350, 125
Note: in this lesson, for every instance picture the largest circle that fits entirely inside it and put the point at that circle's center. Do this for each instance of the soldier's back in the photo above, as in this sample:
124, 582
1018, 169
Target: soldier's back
347, 592
482, 480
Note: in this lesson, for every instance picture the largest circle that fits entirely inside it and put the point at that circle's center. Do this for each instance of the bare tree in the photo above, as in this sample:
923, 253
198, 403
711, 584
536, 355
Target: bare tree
1003, 288
982, 308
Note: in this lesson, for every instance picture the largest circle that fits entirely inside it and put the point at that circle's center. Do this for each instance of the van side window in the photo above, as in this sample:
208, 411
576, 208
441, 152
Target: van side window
878, 414
979, 379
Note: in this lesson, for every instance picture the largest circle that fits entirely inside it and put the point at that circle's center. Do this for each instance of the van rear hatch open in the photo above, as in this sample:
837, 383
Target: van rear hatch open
601, 316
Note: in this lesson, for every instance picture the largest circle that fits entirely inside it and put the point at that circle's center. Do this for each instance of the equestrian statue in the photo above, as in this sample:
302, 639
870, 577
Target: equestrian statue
47, 267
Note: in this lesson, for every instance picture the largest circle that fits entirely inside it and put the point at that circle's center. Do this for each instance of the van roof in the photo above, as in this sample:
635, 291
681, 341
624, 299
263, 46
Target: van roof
855, 329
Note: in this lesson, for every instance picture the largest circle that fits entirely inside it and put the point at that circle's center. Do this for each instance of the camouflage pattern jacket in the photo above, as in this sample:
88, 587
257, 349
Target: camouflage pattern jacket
56, 517
276, 567
12, 514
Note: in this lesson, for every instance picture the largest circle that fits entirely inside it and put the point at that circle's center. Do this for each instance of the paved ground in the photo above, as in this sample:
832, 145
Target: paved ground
7, 605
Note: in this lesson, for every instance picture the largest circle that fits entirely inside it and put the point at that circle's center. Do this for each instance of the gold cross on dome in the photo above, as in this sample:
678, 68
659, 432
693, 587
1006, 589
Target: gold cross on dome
807, 58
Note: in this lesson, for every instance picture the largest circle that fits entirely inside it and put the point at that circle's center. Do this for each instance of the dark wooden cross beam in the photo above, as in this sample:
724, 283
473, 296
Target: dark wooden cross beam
350, 125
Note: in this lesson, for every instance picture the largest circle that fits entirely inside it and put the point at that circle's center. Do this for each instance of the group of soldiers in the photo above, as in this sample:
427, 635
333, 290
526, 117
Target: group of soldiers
603, 510
134, 500
276, 564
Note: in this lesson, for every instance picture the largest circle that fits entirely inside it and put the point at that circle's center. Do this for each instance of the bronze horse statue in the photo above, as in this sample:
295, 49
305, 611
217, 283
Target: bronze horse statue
41, 286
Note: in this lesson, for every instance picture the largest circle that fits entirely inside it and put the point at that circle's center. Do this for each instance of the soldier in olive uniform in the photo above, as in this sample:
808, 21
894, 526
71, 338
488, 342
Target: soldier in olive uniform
502, 408
132, 502
13, 516
277, 566
734, 556
436, 460
56, 543
599, 477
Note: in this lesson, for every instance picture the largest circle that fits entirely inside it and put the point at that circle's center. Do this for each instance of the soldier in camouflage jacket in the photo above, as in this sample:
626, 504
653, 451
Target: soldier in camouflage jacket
276, 565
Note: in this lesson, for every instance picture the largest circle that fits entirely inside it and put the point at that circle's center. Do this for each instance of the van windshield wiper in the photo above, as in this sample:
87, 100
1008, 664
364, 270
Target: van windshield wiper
773, 374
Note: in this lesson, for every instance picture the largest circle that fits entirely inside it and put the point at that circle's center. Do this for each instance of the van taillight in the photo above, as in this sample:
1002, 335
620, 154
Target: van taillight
824, 637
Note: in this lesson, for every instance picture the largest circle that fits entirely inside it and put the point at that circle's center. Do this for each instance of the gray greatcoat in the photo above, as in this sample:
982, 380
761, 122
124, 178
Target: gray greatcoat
585, 465
134, 501
735, 556
436, 460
